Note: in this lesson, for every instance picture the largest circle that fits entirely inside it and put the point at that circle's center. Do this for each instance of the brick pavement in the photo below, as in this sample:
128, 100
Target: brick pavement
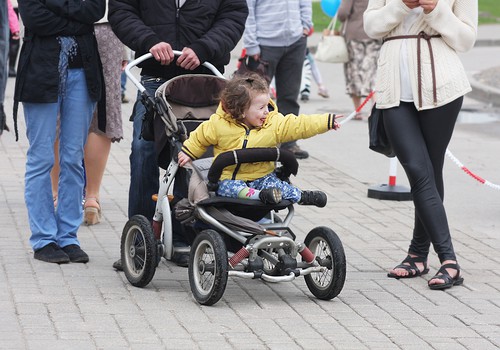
91, 306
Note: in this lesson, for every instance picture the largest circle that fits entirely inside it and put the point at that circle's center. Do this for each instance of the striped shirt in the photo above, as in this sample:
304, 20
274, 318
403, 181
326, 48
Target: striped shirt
278, 23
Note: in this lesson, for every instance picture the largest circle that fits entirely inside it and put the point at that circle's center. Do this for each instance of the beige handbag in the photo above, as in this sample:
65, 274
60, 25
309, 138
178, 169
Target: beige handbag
332, 47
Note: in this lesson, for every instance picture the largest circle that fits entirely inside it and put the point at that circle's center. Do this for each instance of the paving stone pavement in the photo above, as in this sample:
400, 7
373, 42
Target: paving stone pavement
90, 306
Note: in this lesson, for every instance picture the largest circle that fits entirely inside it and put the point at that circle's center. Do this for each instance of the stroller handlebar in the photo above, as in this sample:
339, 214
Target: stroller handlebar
147, 56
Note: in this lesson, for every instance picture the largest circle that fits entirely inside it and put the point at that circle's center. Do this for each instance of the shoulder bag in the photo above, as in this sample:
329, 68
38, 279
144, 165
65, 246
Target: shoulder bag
332, 48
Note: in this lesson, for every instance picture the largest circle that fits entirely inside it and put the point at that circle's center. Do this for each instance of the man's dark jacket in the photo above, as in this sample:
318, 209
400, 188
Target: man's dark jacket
211, 28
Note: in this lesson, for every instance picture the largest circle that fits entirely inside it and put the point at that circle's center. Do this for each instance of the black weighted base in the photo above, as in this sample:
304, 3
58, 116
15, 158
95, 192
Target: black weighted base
391, 193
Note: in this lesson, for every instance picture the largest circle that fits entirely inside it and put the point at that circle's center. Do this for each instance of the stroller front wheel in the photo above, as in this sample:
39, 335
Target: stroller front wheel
329, 252
138, 251
208, 267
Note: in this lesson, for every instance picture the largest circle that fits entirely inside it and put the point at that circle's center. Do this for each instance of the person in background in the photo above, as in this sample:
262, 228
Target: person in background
59, 77
420, 103
362, 50
123, 85
123, 77
112, 53
10, 21
14, 39
249, 118
205, 32
309, 69
113, 57
283, 45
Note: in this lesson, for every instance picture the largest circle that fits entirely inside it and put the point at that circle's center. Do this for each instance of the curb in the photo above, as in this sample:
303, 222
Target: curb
484, 93
487, 42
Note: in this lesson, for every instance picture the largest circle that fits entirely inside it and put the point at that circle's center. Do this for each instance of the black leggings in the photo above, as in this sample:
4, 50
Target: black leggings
420, 139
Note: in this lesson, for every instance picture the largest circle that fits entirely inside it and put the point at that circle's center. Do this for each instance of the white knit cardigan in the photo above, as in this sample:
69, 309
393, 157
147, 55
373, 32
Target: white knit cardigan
454, 20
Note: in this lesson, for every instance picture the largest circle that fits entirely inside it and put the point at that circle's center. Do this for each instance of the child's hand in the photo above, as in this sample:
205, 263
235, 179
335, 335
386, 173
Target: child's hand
336, 124
183, 159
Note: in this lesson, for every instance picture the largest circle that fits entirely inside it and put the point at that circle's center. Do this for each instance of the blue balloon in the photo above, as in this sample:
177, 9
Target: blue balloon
330, 7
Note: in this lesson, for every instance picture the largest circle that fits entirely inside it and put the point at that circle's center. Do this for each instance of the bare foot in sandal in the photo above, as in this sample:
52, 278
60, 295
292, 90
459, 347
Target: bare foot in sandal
447, 276
92, 211
411, 266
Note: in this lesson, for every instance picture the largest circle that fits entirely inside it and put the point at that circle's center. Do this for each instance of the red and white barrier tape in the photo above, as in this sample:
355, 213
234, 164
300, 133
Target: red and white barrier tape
448, 153
353, 114
470, 173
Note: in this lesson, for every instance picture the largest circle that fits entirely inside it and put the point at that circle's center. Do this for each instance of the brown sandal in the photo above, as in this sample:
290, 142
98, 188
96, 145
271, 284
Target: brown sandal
91, 213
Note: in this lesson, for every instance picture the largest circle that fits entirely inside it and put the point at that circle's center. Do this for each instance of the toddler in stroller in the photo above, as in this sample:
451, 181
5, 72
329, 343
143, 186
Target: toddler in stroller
248, 118
227, 240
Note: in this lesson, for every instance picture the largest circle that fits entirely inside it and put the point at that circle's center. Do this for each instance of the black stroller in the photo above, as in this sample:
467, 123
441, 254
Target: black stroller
230, 237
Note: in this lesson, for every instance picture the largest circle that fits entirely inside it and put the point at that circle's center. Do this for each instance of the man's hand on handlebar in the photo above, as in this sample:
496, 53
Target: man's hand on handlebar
188, 59
163, 53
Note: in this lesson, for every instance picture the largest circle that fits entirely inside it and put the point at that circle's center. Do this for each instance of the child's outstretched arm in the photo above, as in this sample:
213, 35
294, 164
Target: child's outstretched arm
183, 159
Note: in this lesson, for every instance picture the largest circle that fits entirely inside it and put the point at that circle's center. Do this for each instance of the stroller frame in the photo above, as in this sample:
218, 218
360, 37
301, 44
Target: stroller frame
267, 251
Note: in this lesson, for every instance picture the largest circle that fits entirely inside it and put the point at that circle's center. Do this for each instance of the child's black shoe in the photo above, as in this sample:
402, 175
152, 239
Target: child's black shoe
270, 195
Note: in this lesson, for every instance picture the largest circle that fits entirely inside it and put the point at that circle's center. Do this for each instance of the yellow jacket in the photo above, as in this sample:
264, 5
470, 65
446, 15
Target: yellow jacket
226, 134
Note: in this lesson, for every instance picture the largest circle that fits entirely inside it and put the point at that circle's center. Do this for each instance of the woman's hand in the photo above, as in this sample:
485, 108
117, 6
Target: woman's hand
428, 5
411, 3
183, 159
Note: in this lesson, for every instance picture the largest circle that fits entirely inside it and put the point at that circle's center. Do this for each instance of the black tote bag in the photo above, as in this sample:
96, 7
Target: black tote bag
376, 132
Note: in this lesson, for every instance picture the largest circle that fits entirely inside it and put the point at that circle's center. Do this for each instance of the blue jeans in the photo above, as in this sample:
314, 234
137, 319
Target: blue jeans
231, 188
75, 109
123, 82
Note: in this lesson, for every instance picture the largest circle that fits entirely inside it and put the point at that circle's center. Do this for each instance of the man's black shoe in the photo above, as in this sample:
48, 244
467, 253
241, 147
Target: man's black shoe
117, 265
317, 198
52, 253
297, 151
76, 254
181, 260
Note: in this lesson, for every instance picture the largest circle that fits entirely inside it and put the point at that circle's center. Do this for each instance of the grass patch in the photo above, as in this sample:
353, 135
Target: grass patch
489, 12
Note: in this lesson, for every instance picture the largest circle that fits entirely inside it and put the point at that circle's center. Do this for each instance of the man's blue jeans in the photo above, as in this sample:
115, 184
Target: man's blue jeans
144, 171
75, 110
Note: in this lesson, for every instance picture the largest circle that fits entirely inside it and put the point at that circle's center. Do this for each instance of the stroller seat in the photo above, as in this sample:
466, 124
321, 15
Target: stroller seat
246, 208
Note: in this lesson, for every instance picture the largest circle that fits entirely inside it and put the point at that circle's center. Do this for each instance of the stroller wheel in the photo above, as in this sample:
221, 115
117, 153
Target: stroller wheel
208, 267
329, 252
138, 251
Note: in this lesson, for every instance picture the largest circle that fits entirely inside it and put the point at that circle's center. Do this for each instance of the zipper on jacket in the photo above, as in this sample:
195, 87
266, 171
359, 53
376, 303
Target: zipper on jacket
245, 141
177, 17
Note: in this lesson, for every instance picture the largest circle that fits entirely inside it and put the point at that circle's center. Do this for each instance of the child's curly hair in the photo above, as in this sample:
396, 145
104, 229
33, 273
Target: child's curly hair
239, 91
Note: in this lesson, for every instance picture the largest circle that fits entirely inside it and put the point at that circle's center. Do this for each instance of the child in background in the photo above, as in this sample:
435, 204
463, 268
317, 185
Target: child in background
247, 118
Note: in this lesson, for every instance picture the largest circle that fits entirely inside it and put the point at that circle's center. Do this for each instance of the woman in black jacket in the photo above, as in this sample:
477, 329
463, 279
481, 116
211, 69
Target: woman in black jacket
59, 78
